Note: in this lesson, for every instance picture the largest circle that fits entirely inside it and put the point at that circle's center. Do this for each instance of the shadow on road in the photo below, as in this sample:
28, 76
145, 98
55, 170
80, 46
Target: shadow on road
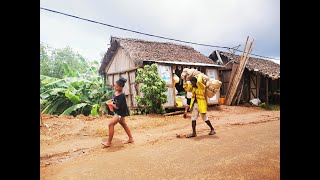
205, 137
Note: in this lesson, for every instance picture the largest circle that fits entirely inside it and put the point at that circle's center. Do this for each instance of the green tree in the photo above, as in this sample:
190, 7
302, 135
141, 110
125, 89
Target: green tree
44, 59
69, 85
54, 65
153, 89
63, 56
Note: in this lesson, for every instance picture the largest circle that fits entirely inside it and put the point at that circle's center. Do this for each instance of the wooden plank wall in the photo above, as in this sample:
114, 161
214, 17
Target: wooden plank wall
171, 88
171, 98
255, 81
212, 73
253, 86
225, 82
121, 62
133, 88
129, 89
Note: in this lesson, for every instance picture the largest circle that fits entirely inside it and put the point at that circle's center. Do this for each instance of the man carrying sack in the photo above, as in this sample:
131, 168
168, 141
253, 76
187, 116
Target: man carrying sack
198, 103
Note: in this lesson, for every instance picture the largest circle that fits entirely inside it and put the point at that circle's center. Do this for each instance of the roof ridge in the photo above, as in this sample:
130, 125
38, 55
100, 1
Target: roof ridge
250, 57
149, 41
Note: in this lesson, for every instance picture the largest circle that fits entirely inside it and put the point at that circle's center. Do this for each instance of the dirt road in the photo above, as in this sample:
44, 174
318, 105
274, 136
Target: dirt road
246, 146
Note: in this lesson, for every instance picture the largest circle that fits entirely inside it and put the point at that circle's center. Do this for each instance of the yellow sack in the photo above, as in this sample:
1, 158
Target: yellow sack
213, 84
179, 102
184, 73
210, 93
175, 79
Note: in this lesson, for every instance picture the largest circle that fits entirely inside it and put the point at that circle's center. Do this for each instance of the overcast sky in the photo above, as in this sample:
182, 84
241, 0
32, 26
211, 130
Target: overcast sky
214, 22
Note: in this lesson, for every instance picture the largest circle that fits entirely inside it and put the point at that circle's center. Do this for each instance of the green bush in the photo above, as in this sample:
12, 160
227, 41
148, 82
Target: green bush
153, 89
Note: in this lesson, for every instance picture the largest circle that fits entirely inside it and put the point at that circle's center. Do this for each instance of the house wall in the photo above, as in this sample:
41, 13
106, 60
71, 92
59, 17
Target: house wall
259, 79
212, 73
225, 78
274, 91
165, 71
273, 88
260, 89
263, 88
130, 89
253, 86
122, 66
246, 89
120, 62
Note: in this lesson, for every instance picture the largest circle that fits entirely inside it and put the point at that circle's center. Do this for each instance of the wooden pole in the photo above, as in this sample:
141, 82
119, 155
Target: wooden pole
240, 93
104, 83
234, 69
243, 77
112, 80
245, 45
238, 75
130, 92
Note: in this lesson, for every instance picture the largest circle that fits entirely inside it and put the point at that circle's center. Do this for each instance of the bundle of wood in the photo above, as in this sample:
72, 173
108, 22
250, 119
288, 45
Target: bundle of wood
212, 86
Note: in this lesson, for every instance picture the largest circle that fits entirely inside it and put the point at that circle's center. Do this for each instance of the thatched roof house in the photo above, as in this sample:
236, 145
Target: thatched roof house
126, 55
264, 67
261, 76
142, 51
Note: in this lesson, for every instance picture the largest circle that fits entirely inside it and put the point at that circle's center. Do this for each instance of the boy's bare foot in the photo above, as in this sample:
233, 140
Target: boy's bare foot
129, 141
106, 144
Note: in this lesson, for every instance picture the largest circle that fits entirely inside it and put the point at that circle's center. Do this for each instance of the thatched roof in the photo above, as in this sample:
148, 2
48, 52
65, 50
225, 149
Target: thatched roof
265, 67
141, 50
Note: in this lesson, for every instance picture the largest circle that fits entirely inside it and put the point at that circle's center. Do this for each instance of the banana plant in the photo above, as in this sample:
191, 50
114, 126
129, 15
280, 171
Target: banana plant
74, 94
